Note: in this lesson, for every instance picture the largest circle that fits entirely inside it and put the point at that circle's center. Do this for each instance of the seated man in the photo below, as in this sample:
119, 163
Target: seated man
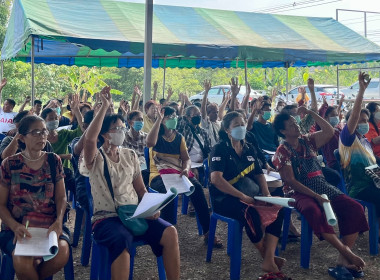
263, 129
135, 139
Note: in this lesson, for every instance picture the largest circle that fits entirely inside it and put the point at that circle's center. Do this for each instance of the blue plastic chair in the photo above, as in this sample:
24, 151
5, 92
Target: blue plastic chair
101, 266
233, 243
7, 272
87, 241
185, 198
372, 217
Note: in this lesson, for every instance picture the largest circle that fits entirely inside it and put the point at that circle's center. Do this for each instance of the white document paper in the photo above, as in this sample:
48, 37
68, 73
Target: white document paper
330, 216
272, 174
282, 201
269, 152
196, 164
39, 245
151, 203
181, 184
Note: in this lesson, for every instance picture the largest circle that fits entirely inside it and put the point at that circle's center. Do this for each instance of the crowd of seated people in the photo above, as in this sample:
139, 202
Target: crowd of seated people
241, 142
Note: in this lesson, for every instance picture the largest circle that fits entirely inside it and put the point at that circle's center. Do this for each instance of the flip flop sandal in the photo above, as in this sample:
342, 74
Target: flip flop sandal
218, 244
340, 273
356, 273
274, 276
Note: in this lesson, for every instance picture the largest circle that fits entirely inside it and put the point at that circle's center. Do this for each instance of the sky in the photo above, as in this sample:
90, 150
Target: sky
315, 8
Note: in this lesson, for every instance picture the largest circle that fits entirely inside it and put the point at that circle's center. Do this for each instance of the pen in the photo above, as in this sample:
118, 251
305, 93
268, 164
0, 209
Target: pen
26, 226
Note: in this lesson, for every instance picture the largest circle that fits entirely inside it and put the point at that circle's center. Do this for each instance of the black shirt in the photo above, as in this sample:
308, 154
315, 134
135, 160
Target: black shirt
223, 158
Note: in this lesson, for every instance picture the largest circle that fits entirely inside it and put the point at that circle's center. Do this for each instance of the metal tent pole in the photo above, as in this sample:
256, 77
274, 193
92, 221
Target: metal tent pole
163, 84
337, 84
32, 62
148, 49
245, 72
287, 81
1, 69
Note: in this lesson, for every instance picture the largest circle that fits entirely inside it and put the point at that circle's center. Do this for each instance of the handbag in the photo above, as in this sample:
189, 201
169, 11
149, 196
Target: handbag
137, 226
247, 186
373, 172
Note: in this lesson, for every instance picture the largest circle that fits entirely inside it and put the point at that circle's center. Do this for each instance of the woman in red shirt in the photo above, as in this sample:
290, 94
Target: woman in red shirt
373, 135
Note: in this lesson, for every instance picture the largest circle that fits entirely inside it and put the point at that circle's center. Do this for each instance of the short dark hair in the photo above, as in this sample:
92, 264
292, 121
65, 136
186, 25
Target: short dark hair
37, 102
24, 127
11, 101
88, 117
20, 116
148, 104
288, 108
266, 104
46, 112
361, 111
173, 103
108, 120
279, 123
133, 114
329, 110
162, 101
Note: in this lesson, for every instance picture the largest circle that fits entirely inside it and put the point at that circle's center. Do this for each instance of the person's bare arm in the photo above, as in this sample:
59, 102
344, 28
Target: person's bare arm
60, 205
206, 86
244, 104
138, 185
137, 93
22, 108
260, 179
314, 104
222, 106
11, 149
255, 108
186, 163
152, 137
221, 184
235, 88
155, 88
170, 93
288, 178
74, 105
90, 146
3, 83
327, 131
355, 113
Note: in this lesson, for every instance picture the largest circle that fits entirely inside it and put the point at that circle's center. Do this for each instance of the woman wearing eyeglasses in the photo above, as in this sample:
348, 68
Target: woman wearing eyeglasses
168, 155
30, 194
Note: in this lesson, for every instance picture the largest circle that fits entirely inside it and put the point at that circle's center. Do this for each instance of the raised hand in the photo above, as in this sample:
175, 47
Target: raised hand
137, 90
27, 99
160, 114
155, 86
324, 99
105, 96
170, 93
235, 88
274, 93
259, 103
3, 83
124, 106
75, 101
207, 85
310, 84
364, 80
248, 88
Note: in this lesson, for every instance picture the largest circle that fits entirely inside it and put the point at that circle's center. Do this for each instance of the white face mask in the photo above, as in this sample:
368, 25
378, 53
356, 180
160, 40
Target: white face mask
117, 138
52, 125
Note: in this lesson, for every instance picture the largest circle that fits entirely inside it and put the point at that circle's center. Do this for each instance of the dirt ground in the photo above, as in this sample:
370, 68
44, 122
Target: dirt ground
193, 256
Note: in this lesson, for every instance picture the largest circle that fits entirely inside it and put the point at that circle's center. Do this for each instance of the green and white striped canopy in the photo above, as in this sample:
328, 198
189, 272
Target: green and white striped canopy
111, 33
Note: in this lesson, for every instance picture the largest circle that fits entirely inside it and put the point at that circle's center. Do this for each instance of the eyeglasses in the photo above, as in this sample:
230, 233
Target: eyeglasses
37, 132
119, 128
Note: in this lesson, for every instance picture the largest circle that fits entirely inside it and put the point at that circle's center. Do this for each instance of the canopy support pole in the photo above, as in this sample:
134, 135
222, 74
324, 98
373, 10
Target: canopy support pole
148, 49
337, 85
1, 69
287, 81
32, 63
163, 84
245, 72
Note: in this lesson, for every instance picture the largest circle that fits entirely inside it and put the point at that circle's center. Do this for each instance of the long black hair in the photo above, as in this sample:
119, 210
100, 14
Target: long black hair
371, 106
226, 122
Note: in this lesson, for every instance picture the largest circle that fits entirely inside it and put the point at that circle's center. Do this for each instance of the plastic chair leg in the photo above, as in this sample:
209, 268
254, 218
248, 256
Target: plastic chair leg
161, 268
200, 231
7, 271
185, 204
87, 241
235, 261
78, 225
211, 236
95, 262
373, 230
306, 242
285, 228
69, 267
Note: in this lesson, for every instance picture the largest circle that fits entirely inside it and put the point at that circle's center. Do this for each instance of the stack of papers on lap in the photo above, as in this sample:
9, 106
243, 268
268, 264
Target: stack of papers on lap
151, 203
196, 164
282, 201
272, 176
269, 152
39, 245
181, 184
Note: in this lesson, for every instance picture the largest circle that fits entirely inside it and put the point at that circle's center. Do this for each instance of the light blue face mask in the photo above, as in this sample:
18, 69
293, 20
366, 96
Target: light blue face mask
239, 132
363, 128
267, 115
58, 110
138, 125
298, 118
334, 121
